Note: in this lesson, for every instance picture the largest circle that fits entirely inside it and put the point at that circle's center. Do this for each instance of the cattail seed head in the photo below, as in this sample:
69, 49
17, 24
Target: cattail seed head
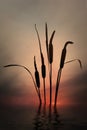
63, 56
35, 63
68, 42
42, 59
43, 69
50, 53
37, 79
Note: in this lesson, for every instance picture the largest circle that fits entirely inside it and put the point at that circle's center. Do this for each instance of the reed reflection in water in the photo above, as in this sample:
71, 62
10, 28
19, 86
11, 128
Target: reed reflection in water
47, 119
43, 118
60, 118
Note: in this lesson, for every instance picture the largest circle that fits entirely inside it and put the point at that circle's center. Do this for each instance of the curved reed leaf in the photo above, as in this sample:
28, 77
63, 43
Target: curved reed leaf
75, 60
14, 65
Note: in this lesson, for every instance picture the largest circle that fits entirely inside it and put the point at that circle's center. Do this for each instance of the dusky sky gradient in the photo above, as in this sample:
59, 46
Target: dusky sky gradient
19, 44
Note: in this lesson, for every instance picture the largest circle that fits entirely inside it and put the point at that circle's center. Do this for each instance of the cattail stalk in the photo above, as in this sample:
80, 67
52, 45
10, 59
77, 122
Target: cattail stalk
43, 67
44, 91
62, 61
50, 59
46, 33
50, 76
59, 76
14, 65
57, 85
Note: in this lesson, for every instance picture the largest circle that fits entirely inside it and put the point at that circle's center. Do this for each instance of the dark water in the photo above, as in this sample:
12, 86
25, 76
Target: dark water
41, 118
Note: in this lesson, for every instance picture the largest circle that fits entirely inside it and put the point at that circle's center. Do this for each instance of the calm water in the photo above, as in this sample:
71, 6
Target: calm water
41, 118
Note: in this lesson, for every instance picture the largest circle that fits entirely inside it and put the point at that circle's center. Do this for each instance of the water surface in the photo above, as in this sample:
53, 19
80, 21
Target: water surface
43, 118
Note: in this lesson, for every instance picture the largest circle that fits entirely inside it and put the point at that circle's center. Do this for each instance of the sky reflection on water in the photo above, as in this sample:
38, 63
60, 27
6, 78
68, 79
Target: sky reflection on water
42, 118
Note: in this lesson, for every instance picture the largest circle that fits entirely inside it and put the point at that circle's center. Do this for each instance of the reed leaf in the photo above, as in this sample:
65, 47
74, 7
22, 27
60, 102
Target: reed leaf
79, 61
14, 65
17, 65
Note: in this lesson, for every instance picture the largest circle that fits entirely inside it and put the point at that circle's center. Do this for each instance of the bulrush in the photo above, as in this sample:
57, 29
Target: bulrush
63, 55
17, 65
50, 52
46, 33
43, 67
50, 59
37, 79
49, 49
62, 61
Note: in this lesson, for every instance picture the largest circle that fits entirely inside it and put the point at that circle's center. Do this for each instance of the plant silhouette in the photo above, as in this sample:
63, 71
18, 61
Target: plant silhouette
17, 65
43, 67
50, 54
49, 50
63, 56
37, 78
75, 60
46, 33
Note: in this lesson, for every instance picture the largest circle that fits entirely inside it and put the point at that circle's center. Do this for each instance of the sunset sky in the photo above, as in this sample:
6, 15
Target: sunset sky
19, 44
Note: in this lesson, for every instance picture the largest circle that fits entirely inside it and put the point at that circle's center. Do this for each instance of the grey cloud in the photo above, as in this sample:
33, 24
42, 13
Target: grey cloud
12, 87
78, 80
5, 86
77, 88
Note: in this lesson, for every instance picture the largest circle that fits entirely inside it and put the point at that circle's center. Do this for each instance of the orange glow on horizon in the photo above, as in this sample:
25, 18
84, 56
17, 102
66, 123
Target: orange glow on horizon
31, 100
